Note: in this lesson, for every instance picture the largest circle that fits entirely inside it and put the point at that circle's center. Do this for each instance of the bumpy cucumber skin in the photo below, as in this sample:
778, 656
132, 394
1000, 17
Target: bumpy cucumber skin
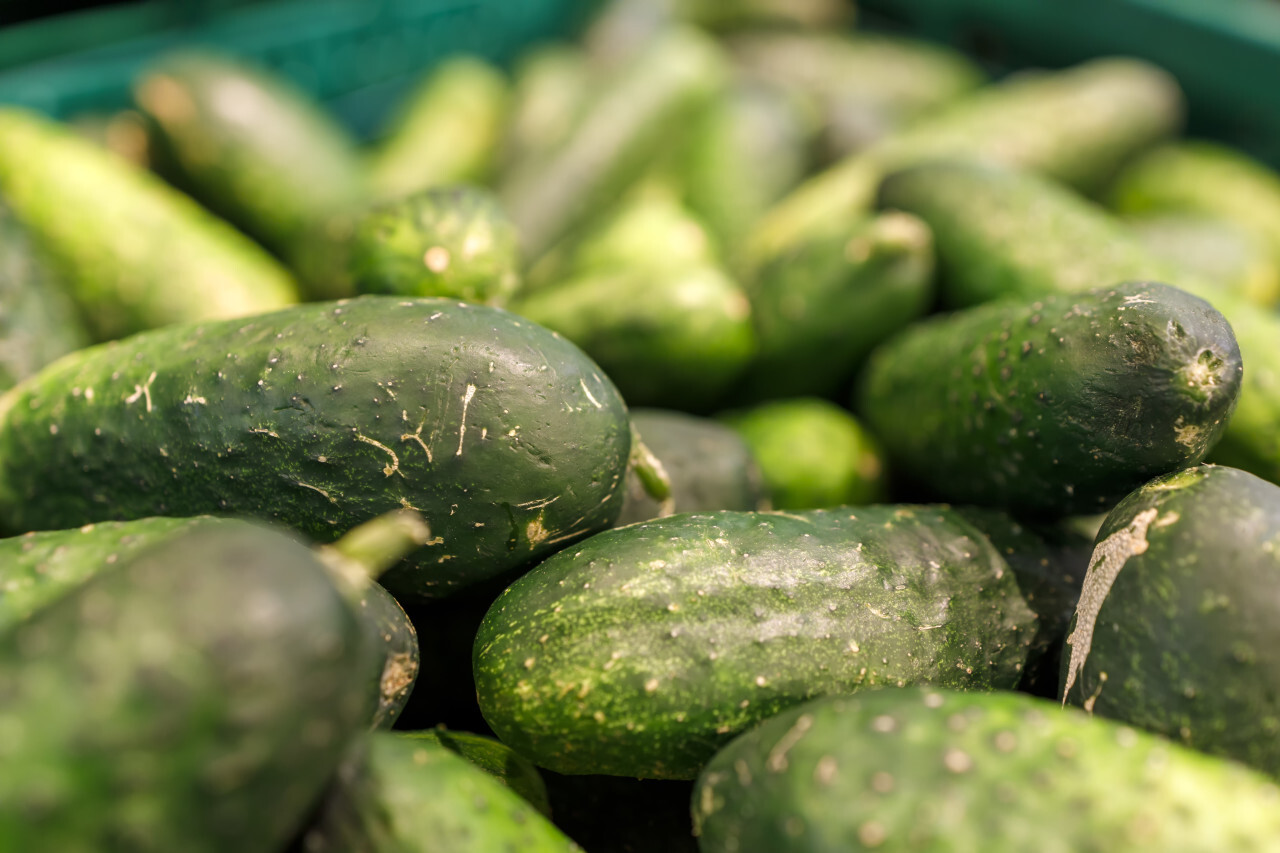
41, 566
915, 770
640, 651
444, 241
821, 307
393, 634
1177, 627
250, 145
505, 437
134, 252
710, 467
1001, 233
38, 321
196, 698
1058, 406
495, 757
402, 794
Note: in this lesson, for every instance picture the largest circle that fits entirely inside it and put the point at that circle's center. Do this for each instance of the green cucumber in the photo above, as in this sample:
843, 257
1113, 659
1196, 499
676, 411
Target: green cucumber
1057, 406
1176, 630
638, 111
496, 758
447, 241
1078, 126
134, 252
193, 698
669, 337
507, 438
708, 465
446, 130
38, 321
915, 770
403, 794
812, 453
820, 307
550, 83
393, 633
252, 146
641, 650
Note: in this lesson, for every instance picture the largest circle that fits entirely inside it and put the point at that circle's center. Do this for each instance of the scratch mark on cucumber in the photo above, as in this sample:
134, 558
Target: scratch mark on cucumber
142, 391
587, 391
394, 467
416, 435
262, 431
328, 496
462, 425
539, 503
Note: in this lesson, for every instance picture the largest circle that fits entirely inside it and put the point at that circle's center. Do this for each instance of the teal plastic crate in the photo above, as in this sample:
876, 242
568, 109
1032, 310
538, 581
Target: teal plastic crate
356, 56
1225, 53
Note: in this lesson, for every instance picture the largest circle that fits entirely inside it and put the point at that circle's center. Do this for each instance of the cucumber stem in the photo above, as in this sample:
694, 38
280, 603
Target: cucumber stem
366, 551
653, 476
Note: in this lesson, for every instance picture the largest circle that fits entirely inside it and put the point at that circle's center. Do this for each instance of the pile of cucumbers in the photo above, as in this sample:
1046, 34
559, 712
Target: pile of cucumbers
733, 431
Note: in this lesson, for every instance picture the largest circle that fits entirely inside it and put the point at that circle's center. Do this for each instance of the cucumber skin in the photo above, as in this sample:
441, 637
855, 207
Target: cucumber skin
922, 770
1186, 632
1058, 406
393, 634
38, 567
398, 793
309, 417
195, 698
494, 757
640, 651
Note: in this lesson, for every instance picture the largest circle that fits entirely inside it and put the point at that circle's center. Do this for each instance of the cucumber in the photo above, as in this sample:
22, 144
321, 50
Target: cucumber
134, 252
446, 130
1176, 628
1213, 249
914, 770
193, 698
822, 306
448, 241
812, 453
496, 758
550, 83
641, 650
250, 145
1077, 126
394, 635
38, 320
508, 439
402, 794
1057, 406
708, 465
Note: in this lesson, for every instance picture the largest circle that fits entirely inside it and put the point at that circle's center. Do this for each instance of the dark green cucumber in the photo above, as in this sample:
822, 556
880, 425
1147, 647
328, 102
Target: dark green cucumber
403, 794
507, 438
1176, 631
38, 320
39, 567
395, 636
637, 111
448, 241
812, 453
640, 651
708, 466
1001, 233
446, 130
1057, 406
194, 698
915, 770
495, 757
822, 306
1077, 125
672, 338
251, 146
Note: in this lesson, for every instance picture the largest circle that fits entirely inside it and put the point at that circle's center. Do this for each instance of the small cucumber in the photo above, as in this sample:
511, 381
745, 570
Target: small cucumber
1176, 630
1057, 406
921, 770
506, 437
641, 650
193, 698
495, 757
398, 793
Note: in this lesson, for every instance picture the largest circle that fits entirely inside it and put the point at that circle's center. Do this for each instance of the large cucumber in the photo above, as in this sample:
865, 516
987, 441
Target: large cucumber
1176, 630
924, 770
1056, 406
195, 698
507, 438
640, 651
